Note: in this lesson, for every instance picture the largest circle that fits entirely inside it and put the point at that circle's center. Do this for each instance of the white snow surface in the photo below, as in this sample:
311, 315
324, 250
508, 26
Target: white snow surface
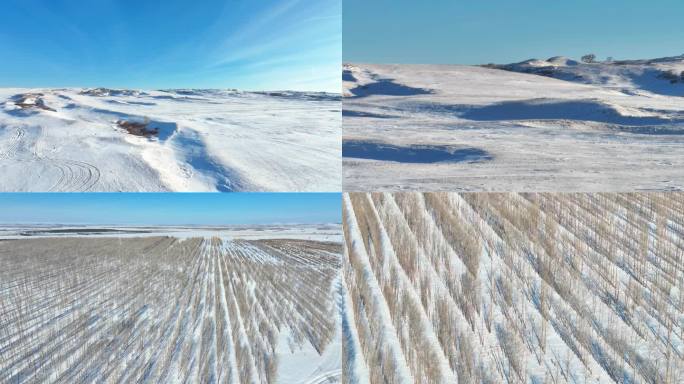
301, 363
539, 125
206, 140
313, 232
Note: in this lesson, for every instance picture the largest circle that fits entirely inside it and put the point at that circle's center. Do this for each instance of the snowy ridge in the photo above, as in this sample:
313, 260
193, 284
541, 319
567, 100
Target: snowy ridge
566, 288
659, 76
168, 140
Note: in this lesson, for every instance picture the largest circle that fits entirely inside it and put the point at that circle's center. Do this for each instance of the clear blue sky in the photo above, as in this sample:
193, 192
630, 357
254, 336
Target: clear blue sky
504, 31
169, 208
246, 44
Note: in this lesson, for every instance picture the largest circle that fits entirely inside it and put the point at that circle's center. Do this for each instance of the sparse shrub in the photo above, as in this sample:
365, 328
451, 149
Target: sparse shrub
588, 58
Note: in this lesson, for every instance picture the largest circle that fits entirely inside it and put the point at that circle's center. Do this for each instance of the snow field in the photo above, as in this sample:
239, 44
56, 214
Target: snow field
200, 140
162, 309
533, 126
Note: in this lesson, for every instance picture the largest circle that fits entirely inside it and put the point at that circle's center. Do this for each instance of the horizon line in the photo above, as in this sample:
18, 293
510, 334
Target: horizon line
614, 59
172, 89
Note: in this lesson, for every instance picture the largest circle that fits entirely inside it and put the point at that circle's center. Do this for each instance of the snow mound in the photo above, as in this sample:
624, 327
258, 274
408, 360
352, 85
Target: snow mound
562, 60
664, 76
101, 92
29, 101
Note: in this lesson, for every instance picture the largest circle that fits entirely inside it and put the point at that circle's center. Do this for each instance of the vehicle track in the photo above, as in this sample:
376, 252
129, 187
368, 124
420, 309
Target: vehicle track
327, 377
75, 176
14, 144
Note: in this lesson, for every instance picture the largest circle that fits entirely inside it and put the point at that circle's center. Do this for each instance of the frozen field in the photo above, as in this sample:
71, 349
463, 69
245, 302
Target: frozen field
514, 288
540, 125
314, 232
162, 309
176, 140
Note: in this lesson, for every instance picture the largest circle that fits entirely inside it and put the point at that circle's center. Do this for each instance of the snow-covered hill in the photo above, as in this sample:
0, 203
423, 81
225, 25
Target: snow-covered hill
172, 140
541, 125
663, 76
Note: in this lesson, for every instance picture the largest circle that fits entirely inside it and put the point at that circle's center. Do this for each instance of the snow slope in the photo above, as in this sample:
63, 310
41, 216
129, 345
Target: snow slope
541, 125
203, 140
514, 288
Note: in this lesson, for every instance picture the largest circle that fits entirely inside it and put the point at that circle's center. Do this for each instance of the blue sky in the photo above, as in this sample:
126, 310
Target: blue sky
501, 31
169, 208
245, 44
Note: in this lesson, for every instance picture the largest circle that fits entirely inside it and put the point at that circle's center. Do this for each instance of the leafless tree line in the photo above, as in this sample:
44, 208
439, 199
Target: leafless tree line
512, 288
160, 309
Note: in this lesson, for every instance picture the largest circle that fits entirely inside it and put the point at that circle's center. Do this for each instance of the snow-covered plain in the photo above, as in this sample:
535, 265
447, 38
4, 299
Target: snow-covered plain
202, 140
162, 309
539, 125
513, 288
315, 232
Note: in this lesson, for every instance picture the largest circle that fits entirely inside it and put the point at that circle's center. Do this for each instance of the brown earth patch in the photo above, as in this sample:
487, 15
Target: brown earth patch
138, 128
24, 102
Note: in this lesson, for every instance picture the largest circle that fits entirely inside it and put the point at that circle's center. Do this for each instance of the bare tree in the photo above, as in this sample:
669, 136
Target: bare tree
589, 58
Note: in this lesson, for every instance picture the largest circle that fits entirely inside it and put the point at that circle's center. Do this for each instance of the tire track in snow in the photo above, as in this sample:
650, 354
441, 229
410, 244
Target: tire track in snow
14, 144
73, 175
327, 377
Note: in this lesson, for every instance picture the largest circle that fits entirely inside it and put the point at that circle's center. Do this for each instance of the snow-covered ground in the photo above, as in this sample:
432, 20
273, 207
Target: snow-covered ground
314, 232
197, 140
157, 309
540, 125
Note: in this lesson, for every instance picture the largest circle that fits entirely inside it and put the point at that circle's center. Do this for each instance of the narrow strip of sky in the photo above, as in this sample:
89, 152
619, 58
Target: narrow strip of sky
169, 208
252, 45
503, 31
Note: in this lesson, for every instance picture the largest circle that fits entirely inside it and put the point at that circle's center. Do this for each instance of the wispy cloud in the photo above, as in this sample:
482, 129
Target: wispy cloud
215, 43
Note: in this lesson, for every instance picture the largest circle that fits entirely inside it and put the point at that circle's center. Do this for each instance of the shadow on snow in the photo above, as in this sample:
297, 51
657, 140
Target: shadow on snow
412, 154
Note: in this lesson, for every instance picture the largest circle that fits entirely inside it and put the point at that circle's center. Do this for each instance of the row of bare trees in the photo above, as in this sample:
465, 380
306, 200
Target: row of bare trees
159, 309
519, 287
